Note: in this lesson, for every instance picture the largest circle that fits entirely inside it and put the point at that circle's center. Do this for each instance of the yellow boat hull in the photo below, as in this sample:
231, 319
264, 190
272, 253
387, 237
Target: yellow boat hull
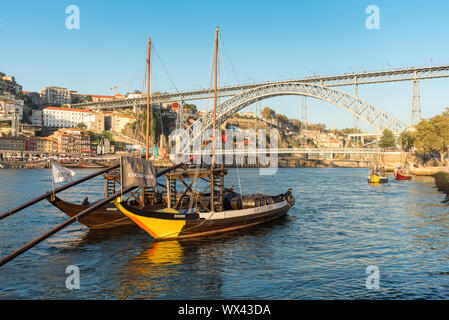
169, 224
374, 178
157, 228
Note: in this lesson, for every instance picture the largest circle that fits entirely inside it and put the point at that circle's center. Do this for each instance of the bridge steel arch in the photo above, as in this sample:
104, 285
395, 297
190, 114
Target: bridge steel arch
377, 118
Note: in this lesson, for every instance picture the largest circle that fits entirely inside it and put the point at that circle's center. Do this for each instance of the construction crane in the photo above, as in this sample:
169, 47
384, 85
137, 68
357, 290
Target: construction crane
117, 86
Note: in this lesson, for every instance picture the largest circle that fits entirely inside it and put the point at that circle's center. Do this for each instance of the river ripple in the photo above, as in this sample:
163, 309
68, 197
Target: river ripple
338, 226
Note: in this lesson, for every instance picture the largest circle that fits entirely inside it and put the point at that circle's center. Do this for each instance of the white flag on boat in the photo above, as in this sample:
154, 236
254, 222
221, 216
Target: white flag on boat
61, 174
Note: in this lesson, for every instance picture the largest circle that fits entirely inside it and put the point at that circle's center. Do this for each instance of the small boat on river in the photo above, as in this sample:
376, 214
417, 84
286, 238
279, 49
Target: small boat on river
377, 177
403, 174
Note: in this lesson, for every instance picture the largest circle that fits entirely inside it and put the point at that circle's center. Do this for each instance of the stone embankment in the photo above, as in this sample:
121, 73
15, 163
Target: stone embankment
442, 183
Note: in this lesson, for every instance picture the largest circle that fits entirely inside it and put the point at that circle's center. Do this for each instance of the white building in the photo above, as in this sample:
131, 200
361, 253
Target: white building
55, 96
36, 117
135, 95
54, 117
8, 105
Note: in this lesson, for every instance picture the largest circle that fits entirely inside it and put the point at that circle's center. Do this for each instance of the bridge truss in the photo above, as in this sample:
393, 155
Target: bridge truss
377, 118
347, 79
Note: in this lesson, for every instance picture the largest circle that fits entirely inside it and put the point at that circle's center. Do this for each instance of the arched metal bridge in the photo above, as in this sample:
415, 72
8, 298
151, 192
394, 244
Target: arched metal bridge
375, 117
347, 79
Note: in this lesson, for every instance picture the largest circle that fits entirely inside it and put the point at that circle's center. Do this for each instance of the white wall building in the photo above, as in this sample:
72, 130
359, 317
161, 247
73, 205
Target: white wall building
136, 95
54, 117
7, 106
55, 96
36, 117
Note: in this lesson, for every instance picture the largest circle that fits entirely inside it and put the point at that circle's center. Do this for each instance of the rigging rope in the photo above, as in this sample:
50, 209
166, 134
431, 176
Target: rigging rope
139, 65
165, 69
211, 68
230, 61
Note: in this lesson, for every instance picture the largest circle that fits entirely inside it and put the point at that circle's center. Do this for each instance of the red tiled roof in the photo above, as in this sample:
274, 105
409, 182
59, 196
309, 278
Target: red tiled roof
68, 109
99, 96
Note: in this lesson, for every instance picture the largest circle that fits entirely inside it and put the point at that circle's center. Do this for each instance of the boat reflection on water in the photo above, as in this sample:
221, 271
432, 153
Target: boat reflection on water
168, 269
160, 253
189, 268
109, 236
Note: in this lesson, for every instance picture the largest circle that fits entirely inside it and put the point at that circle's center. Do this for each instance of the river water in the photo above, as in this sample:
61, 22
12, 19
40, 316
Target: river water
338, 227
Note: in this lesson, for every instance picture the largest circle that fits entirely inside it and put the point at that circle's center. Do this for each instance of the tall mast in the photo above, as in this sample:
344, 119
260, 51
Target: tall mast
147, 141
215, 100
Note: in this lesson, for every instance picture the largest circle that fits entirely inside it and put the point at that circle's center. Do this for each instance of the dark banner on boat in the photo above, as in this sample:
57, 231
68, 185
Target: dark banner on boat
137, 173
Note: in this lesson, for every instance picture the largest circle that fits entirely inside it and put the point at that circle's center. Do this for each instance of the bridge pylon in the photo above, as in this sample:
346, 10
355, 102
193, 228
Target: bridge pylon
415, 116
304, 109
356, 108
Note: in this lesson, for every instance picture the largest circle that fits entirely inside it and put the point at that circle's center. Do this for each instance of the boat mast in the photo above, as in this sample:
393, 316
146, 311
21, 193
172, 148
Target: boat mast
215, 101
147, 136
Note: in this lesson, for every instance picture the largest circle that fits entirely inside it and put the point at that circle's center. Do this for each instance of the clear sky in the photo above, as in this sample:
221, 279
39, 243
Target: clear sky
265, 40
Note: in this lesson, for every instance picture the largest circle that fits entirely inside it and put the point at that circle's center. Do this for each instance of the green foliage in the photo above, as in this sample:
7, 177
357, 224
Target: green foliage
433, 135
191, 107
108, 136
26, 117
88, 98
268, 113
94, 138
407, 140
387, 139
76, 100
28, 101
318, 126
282, 120
81, 125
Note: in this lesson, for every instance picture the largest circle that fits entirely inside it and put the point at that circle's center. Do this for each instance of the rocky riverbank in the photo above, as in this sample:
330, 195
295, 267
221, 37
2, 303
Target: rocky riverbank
442, 183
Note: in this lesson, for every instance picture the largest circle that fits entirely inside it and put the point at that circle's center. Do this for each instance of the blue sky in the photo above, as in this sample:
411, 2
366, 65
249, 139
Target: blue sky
266, 40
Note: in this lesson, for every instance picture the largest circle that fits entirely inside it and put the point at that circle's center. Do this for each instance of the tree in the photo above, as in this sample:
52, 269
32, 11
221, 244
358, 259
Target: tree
76, 100
26, 117
268, 113
282, 120
81, 125
433, 135
88, 98
407, 140
107, 135
387, 139
93, 137
191, 107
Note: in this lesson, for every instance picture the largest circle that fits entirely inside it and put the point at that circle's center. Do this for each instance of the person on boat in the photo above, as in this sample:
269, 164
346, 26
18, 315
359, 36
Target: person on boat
86, 201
